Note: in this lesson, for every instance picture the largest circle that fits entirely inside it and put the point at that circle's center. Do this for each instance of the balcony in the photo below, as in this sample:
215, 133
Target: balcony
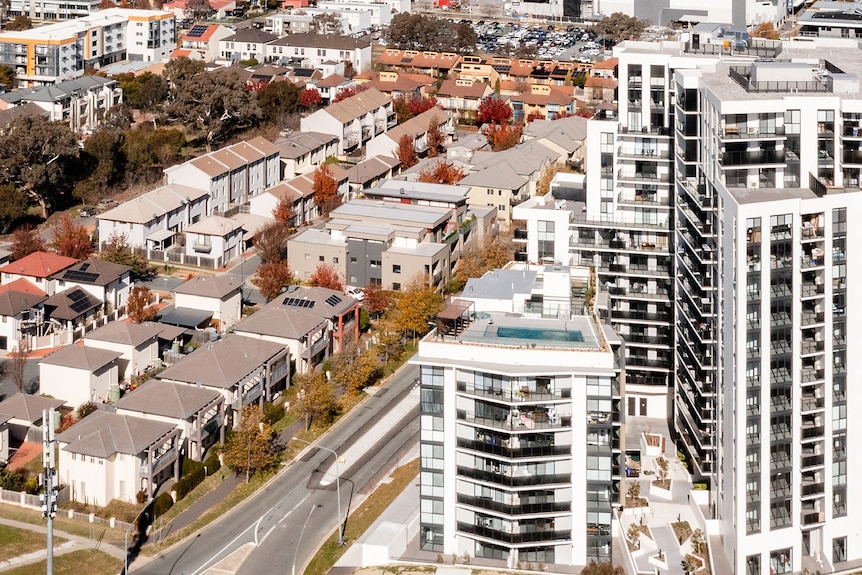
643, 153
813, 460
812, 431
514, 480
643, 198
519, 420
202, 248
536, 536
518, 395
752, 158
515, 509
746, 132
813, 518
161, 461
812, 346
643, 176
501, 447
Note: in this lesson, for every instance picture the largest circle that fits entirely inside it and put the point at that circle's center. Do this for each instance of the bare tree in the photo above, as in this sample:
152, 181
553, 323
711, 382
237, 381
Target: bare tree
17, 362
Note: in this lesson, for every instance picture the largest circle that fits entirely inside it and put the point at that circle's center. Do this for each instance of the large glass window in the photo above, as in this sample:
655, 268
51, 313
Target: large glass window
839, 549
545, 239
781, 561
752, 565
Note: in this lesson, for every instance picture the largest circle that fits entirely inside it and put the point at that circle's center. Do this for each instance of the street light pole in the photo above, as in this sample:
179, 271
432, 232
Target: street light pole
337, 485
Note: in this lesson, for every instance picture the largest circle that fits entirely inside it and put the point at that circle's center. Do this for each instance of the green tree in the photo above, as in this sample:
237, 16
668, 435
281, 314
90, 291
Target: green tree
272, 277
315, 398
146, 92
251, 447
212, 105
618, 27
278, 100
71, 240
147, 150
416, 305
326, 23
104, 152
38, 156
13, 206
19, 23
8, 78
25, 241
117, 250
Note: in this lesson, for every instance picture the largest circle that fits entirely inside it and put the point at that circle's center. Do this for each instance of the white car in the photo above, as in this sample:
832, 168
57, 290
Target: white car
356, 293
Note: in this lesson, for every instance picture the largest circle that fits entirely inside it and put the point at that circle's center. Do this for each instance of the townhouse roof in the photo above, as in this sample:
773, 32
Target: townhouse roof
154, 204
301, 143
93, 272
24, 286
102, 434
600, 82
223, 363
251, 35
201, 32
316, 237
71, 304
279, 321
209, 286
333, 81
568, 133
282, 191
126, 333
304, 184
14, 302
609, 64
218, 162
90, 359
21, 111
183, 52
262, 144
500, 175
525, 158
186, 317
29, 408
420, 191
57, 92
38, 265
357, 105
408, 214
417, 125
247, 152
331, 41
558, 97
403, 82
214, 226
168, 399
416, 59
453, 88
372, 168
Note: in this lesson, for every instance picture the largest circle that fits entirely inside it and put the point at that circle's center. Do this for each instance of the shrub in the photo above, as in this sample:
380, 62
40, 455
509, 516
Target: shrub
190, 466
12, 480
189, 481
272, 413
162, 503
86, 409
212, 463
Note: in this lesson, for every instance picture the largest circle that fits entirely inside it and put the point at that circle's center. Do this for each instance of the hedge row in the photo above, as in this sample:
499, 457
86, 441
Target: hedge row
162, 503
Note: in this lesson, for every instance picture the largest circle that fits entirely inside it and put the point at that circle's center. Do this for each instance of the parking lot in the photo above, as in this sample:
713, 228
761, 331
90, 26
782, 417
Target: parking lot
560, 42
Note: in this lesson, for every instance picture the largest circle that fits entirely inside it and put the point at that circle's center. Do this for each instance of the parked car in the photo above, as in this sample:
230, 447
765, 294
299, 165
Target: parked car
356, 293
87, 211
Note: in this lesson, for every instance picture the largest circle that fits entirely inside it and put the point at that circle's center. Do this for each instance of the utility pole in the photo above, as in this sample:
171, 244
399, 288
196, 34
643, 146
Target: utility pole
49, 497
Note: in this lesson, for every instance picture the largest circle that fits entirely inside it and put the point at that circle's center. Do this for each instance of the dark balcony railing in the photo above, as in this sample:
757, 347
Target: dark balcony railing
812, 518
519, 509
810, 432
812, 460
521, 421
852, 156
514, 480
523, 451
754, 157
518, 395
515, 538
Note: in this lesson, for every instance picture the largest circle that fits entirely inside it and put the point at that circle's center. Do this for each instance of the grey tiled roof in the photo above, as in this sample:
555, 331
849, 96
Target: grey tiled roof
102, 434
168, 399
81, 357
28, 407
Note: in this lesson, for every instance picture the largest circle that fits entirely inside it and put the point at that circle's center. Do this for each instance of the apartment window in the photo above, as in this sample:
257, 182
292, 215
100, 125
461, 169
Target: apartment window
396, 286
545, 239
607, 143
396, 268
781, 561
839, 549
839, 473
321, 258
353, 260
839, 501
335, 259
839, 417
375, 263
752, 565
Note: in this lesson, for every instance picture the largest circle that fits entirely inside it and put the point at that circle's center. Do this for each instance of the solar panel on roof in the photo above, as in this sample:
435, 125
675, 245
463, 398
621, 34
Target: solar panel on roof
296, 302
83, 267
333, 300
80, 301
80, 276
197, 31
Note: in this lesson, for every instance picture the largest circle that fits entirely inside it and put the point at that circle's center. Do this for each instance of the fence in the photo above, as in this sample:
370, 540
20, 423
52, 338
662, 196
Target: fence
183, 258
22, 499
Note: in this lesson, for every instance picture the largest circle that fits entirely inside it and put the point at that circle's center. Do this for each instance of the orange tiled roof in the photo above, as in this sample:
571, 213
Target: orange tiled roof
22, 285
38, 265
608, 64
599, 82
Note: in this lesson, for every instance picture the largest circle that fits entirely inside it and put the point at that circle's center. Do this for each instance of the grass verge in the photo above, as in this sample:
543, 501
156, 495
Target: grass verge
14, 541
61, 523
361, 519
94, 563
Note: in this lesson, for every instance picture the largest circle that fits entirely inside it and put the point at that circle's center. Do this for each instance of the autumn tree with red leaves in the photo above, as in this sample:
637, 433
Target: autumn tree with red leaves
138, 304
25, 241
309, 98
493, 110
585, 112
535, 116
284, 212
272, 277
325, 189
71, 240
441, 173
406, 152
326, 276
502, 136
349, 92
409, 107
436, 138
377, 300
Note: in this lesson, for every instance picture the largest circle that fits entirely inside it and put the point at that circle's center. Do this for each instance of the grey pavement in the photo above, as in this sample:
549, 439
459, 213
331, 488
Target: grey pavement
78, 541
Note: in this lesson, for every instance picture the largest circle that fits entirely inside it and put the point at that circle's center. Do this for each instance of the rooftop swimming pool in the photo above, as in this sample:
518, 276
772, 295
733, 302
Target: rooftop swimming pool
540, 334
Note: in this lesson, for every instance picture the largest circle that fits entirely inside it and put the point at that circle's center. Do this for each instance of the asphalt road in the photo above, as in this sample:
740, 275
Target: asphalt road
289, 519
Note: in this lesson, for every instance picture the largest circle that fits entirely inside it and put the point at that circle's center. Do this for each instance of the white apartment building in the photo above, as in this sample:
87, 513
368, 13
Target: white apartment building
359, 15
771, 151
741, 13
519, 440
313, 50
62, 51
52, 9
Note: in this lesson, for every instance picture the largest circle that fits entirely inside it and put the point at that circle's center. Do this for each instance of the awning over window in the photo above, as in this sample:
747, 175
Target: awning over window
160, 235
